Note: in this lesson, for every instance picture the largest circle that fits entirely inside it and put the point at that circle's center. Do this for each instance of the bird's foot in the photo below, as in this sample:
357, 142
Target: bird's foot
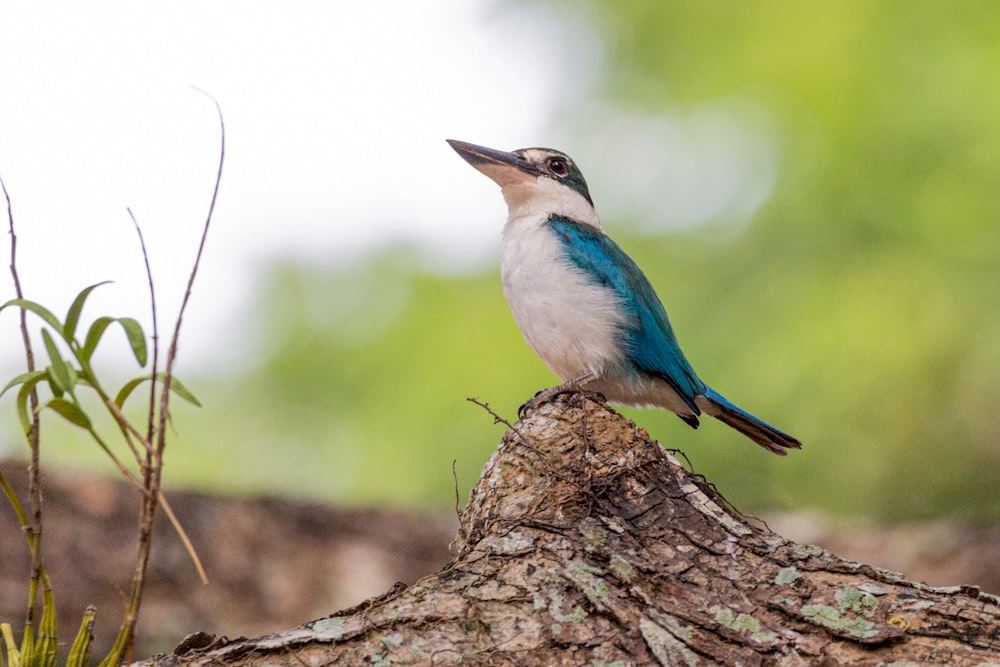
546, 395
543, 396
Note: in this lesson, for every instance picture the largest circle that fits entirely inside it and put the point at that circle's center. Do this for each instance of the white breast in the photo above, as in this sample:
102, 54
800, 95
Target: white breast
571, 324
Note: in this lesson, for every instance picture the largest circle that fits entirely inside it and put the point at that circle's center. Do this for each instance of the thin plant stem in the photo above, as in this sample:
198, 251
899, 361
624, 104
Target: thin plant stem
34, 527
152, 472
178, 527
151, 424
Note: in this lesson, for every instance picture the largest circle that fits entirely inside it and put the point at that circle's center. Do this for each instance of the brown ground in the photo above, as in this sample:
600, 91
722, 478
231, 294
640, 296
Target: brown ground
274, 564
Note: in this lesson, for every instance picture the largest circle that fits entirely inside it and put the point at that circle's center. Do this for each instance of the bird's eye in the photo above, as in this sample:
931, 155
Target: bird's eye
558, 166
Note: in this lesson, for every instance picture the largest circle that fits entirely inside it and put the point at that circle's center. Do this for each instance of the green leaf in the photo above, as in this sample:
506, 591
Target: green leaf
23, 377
70, 411
13, 655
37, 309
47, 647
94, 336
127, 390
136, 338
54, 386
176, 386
79, 652
28, 644
23, 413
182, 391
133, 331
62, 376
73, 315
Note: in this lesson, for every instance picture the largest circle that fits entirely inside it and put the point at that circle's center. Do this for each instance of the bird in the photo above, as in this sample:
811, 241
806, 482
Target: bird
584, 306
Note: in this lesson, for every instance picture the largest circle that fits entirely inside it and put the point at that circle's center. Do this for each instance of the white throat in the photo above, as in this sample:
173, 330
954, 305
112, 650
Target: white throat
542, 197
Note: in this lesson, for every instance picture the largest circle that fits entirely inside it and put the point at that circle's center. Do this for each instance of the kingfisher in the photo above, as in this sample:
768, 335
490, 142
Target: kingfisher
583, 306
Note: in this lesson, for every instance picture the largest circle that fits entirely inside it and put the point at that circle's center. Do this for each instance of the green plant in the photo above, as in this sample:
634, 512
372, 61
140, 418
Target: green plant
67, 375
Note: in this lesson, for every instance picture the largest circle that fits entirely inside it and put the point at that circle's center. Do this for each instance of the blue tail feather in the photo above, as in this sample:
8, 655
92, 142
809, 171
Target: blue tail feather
774, 440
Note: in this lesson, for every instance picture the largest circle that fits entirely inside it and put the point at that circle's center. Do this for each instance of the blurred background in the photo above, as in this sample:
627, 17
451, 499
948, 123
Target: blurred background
811, 187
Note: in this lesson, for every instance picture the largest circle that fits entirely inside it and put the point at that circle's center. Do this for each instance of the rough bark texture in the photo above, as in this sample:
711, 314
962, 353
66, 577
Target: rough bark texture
586, 543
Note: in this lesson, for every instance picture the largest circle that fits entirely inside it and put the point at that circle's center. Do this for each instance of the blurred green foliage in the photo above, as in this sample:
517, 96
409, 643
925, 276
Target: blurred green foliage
859, 310
862, 308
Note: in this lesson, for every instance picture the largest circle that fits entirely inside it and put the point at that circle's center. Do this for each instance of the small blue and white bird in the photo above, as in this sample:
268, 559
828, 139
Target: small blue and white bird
584, 306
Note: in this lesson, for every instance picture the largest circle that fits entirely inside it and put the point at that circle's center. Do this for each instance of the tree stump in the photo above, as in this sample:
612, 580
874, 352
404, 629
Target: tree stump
586, 543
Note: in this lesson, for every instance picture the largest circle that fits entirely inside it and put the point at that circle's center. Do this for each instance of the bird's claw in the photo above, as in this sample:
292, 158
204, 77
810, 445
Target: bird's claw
546, 395
528, 405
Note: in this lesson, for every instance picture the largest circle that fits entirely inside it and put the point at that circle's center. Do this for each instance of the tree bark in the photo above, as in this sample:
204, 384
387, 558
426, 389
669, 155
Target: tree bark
586, 543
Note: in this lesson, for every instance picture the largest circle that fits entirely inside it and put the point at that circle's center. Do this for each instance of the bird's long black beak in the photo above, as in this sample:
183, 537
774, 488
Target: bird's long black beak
501, 166
478, 155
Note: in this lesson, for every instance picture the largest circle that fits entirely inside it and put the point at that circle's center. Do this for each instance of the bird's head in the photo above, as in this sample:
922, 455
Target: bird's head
534, 181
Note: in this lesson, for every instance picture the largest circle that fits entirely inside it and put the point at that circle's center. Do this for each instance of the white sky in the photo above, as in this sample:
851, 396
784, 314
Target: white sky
336, 116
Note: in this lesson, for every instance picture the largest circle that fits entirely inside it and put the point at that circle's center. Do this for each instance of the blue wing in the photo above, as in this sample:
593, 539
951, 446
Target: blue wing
647, 336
